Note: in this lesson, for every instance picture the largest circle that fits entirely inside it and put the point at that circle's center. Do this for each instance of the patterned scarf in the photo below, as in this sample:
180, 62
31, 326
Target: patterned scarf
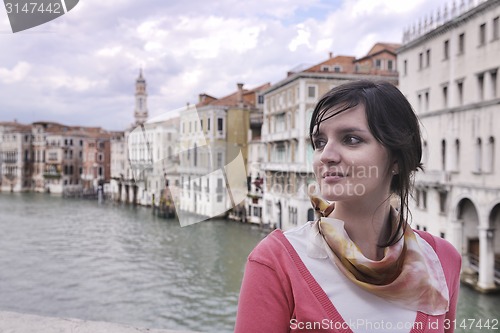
409, 275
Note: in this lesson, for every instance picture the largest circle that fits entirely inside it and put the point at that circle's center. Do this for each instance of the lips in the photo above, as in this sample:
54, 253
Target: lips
332, 176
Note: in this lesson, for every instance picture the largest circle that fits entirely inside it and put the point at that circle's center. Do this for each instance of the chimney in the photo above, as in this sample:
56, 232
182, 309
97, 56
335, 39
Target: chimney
240, 93
330, 54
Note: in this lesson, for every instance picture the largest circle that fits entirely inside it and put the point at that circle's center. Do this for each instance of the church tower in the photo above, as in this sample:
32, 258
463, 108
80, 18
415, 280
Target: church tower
141, 105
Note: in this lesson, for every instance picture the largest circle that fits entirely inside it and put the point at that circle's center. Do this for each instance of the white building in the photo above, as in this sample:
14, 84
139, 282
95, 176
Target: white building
449, 73
15, 157
214, 145
144, 158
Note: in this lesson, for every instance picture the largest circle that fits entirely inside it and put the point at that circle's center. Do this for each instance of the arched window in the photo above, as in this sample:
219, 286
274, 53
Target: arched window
310, 214
479, 155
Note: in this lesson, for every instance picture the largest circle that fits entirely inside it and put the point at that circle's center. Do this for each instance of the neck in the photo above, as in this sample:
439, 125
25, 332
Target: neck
367, 225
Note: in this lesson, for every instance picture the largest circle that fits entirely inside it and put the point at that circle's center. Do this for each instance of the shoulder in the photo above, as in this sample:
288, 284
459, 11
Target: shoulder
275, 250
443, 248
271, 244
450, 258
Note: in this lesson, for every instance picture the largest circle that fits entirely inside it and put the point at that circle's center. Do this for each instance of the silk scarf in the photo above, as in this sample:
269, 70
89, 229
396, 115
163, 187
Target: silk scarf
409, 275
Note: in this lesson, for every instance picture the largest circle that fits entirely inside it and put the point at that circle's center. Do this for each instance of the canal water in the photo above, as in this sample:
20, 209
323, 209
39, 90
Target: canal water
109, 262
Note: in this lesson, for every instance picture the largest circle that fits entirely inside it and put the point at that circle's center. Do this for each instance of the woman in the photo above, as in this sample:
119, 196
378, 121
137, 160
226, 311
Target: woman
360, 267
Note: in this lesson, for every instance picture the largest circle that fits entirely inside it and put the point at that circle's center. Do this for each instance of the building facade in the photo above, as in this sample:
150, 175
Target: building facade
214, 153
449, 73
16, 157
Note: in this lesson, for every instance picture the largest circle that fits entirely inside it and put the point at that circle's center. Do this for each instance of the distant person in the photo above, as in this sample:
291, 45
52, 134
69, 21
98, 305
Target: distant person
360, 267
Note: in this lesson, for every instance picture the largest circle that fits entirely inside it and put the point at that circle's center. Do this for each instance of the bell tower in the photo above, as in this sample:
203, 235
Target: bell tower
141, 98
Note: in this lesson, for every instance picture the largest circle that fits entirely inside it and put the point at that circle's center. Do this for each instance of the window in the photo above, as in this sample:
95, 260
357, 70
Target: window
461, 43
482, 34
195, 153
494, 84
426, 101
219, 190
425, 152
261, 99
428, 57
419, 102
208, 124
405, 67
424, 200
378, 64
220, 124
279, 123
460, 90
325, 68
420, 60
311, 92
446, 49
445, 96
496, 33
457, 155
219, 160
390, 65
442, 201
280, 152
479, 155
443, 155
480, 86
490, 156
337, 69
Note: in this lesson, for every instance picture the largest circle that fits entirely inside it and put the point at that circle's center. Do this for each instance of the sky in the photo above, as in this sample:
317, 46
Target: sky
80, 69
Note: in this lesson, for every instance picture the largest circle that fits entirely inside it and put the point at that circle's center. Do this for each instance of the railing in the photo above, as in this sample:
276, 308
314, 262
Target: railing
474, 264
439, 19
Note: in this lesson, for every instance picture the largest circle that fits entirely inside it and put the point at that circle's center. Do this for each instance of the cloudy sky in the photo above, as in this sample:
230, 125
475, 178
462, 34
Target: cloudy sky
80, 69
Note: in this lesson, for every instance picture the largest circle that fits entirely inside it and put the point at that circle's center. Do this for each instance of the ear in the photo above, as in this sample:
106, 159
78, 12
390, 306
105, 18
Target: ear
395, 168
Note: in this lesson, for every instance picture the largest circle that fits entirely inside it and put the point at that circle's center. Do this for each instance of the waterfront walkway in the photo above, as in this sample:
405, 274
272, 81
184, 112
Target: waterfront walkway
11, 322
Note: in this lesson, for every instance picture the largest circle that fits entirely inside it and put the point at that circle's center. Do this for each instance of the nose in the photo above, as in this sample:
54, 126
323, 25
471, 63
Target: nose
330, 154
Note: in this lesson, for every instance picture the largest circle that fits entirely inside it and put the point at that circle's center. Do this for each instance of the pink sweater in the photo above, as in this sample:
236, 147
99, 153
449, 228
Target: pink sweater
279, 294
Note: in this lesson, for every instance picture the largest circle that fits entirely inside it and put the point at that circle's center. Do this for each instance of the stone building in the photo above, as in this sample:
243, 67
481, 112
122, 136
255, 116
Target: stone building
16, 157
449, 73
214, 149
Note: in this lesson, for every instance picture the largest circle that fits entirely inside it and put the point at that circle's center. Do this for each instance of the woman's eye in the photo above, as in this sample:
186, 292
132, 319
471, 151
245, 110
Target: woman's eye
319, 144
352, 140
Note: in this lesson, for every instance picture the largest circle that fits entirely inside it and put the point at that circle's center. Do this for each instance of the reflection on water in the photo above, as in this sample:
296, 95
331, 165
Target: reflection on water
75, 258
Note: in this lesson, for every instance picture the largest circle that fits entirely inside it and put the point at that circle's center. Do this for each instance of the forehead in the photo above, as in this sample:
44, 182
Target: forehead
341, 118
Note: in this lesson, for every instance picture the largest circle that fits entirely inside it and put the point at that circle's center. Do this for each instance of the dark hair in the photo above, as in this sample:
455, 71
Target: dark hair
392, 122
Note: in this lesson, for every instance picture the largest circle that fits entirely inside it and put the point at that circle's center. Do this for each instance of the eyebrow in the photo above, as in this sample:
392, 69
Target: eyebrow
352, 129
343, 131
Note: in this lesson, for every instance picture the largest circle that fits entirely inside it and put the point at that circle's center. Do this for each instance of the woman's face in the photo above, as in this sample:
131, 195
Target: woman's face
349, 163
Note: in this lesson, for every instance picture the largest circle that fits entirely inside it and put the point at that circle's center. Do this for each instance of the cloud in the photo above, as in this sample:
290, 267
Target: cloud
82, 66
16, 74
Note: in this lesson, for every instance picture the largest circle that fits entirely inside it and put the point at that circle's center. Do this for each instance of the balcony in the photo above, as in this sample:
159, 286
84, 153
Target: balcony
51, 175
433, 178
